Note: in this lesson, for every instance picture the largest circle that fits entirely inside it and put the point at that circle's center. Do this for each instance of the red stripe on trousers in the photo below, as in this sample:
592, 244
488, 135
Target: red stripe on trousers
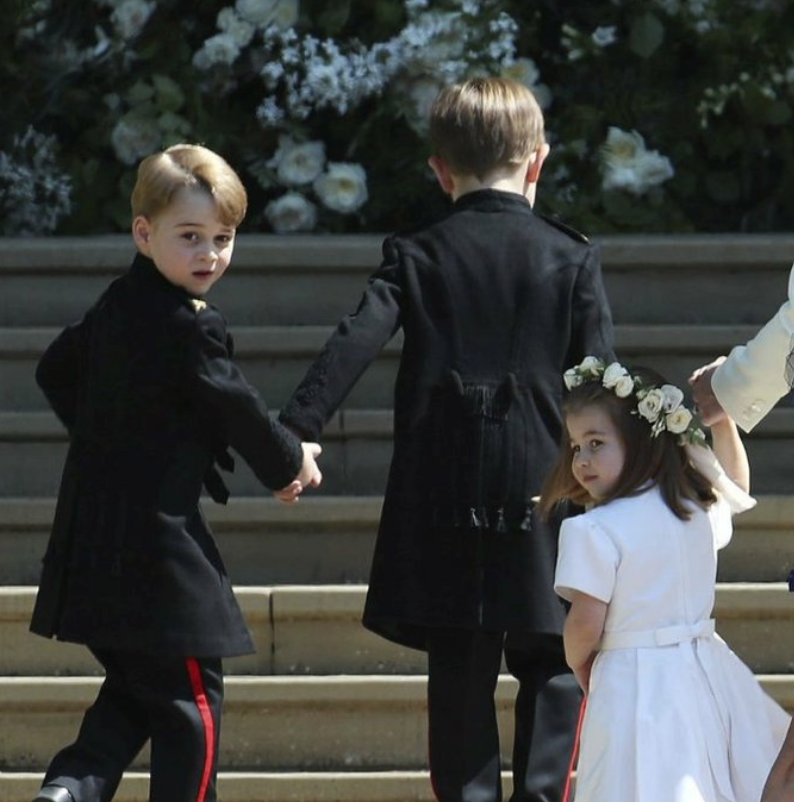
200, 697
566, 794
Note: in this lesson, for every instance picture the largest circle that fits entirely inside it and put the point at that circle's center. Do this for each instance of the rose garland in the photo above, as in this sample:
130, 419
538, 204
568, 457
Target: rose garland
662, 407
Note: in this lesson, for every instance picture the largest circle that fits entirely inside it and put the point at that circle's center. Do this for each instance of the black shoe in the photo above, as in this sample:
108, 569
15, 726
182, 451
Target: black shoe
54, 793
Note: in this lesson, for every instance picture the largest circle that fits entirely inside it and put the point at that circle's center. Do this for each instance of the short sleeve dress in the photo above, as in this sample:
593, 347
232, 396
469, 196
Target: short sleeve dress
672, 714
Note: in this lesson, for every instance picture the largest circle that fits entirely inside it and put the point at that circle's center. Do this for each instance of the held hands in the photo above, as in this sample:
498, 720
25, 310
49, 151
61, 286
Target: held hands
708, 406
310, 475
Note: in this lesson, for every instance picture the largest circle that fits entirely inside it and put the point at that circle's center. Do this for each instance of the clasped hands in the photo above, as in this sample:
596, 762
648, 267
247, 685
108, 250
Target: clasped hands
310, 475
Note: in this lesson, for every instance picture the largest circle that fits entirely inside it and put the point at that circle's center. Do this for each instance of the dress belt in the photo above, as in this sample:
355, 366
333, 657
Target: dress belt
652, 638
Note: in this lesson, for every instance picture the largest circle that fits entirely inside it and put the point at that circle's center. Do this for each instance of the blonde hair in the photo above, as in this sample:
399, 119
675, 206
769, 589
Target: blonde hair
484, 124
162, 175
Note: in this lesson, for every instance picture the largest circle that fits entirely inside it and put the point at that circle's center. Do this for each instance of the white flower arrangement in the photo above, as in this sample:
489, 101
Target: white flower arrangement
359, 78
662, 407
290, 213
628, 164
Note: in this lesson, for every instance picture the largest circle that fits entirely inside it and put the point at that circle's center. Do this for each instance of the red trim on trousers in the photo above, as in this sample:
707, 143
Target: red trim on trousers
566, 794
200, 698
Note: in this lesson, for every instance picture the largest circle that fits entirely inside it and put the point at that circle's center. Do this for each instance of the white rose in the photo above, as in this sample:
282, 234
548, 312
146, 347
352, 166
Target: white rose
343, 187
678, 421
653, 169
571, 378
129, 18
624, 386
286, 14
257, 12
672, 397
612, 374
218, 49
651, 404
291, 212
591, 365
301, 163
240, 30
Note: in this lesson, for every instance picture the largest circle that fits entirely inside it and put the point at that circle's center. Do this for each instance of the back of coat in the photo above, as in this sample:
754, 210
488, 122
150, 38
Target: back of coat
495, 303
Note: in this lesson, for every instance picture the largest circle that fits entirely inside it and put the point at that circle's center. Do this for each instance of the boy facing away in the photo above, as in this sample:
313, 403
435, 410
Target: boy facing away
494, 303
146, 386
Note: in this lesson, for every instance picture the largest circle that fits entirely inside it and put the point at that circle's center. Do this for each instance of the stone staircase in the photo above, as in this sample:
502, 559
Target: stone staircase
325, 711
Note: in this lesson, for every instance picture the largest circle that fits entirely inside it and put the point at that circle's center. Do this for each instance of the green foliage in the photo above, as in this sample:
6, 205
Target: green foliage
707, 85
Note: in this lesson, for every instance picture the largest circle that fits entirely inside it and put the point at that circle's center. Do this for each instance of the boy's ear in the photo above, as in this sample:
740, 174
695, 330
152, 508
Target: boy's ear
443, 174
536, 163
141, 230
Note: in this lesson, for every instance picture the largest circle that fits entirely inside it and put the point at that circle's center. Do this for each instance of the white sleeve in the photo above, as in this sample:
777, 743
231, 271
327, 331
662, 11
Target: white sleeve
753, 377
587, 561
721, 517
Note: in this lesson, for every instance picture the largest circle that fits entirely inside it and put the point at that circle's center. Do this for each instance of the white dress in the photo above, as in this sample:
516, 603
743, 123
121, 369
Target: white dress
672, 714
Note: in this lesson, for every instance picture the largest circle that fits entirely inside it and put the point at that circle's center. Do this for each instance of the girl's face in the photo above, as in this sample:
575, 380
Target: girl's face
598, 450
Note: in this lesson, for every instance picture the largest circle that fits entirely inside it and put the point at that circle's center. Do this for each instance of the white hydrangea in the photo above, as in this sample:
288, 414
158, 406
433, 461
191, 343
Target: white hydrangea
343, 187
628, 165
298, 163
291, 212
130, 16
34, 194
133, 138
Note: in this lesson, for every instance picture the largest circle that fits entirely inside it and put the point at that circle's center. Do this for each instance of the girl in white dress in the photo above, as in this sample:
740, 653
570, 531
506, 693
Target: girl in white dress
672, 715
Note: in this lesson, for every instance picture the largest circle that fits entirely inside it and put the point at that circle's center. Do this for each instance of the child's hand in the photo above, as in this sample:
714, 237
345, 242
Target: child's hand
706, 403
290, 493
310, 475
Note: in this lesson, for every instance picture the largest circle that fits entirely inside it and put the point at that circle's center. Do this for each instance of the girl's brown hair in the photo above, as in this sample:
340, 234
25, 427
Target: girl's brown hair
658, 460
162, 175
485, 124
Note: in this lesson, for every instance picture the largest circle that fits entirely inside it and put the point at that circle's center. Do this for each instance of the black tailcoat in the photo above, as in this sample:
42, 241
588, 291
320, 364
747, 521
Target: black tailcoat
146, 387
495, 303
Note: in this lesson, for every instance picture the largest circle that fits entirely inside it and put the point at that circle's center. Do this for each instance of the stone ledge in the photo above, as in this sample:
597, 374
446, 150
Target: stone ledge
351, 786
288, 252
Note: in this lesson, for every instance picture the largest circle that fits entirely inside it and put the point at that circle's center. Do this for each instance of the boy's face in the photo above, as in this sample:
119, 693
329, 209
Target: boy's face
187, 242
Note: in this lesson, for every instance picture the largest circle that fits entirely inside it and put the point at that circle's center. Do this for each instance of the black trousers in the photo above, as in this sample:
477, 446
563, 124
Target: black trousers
464, 741
173, 701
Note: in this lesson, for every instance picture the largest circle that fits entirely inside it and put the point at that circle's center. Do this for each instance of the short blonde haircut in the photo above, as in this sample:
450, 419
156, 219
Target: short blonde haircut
162, 175
485, 124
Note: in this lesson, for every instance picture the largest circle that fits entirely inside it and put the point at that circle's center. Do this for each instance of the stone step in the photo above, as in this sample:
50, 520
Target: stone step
272, 723
348, 723
316, 279
275, 359
298, 630
317, 631
357, 449
329, 540
342, 786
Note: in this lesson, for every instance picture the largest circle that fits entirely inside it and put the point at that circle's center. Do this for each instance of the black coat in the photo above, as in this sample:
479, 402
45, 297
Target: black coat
495, 303
147, 389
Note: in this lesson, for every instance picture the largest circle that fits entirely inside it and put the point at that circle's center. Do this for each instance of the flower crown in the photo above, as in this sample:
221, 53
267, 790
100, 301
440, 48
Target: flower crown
662, 407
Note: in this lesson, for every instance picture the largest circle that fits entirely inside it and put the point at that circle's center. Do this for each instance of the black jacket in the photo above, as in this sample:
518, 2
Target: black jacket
146, 387
495, 303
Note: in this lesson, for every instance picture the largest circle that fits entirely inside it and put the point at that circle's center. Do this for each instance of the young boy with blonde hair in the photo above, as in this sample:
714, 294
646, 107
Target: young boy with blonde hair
494, 302
146, 386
